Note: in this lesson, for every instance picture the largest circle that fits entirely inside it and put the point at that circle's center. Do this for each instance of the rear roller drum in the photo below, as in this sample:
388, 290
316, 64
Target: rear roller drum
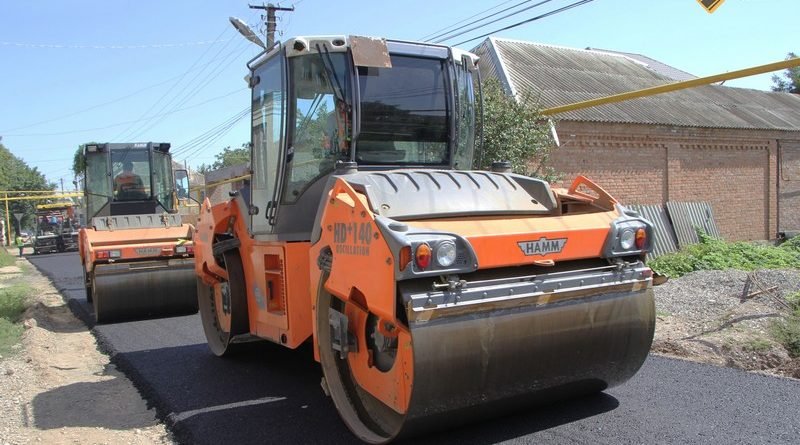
88, 281
223, 307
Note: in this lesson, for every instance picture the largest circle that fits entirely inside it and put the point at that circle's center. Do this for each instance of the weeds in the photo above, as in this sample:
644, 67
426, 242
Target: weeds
13, 302
5, 258
715, 254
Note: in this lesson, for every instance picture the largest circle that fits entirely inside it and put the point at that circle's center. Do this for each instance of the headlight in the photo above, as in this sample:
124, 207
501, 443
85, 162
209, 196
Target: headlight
626, 239
446, 253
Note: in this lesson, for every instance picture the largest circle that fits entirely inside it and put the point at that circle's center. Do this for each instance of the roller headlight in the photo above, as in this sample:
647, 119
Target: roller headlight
626, 239
446, 253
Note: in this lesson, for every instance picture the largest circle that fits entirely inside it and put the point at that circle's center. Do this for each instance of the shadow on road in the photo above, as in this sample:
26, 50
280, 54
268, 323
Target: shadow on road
269, 393
110, 404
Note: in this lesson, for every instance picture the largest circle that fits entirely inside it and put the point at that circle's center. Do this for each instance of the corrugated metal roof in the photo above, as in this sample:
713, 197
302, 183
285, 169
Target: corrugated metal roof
653, 64
559, 76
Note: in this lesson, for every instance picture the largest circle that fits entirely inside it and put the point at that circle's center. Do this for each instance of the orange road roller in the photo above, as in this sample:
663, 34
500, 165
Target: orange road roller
432, 294
137, 255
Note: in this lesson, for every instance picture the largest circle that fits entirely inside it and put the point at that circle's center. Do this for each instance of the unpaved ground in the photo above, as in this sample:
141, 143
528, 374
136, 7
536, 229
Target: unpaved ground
59, 389
725, 318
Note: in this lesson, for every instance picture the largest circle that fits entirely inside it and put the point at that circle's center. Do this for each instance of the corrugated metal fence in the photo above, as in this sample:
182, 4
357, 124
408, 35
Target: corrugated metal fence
676, 224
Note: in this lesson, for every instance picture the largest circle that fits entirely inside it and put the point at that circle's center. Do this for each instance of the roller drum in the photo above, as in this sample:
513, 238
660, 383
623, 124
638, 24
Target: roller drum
498, 345
479, 364
148, 289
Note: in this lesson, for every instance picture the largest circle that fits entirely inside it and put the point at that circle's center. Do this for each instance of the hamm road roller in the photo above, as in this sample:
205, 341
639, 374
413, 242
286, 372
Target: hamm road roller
433, 294
137, 256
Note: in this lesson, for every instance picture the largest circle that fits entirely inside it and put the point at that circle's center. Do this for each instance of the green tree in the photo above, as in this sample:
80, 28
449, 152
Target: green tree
514, 130
227, 157
791, 81
15, 174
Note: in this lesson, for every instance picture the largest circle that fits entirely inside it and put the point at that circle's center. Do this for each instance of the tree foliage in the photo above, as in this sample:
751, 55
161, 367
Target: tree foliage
790, 83
515, 131
15, 174
227, 157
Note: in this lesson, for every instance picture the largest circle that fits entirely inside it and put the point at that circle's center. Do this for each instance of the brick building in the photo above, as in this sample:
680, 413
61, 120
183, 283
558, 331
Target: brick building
737, 149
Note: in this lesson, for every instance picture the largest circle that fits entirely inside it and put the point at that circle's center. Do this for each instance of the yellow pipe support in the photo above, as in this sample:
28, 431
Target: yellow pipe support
784, 64
8, 223
224, 181
37, 197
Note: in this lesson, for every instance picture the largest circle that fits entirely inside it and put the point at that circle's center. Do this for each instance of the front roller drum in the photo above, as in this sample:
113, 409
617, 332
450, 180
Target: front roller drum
476, 361
140, 290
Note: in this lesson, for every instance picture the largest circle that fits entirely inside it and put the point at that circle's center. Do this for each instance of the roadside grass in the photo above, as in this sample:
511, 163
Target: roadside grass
13, 302
715, 254
787, 330
5, 258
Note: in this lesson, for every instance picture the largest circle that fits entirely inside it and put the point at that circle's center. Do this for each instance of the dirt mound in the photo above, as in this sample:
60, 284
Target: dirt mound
726, 318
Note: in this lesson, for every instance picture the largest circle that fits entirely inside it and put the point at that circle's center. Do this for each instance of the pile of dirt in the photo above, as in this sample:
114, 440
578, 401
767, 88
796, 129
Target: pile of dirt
58, 388
726, 318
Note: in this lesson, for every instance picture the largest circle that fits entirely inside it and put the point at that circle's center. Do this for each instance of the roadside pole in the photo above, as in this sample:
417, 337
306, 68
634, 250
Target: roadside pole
8, 224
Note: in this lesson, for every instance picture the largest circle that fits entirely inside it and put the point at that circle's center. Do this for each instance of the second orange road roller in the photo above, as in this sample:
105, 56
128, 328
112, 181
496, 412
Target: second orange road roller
432, 294
137, 255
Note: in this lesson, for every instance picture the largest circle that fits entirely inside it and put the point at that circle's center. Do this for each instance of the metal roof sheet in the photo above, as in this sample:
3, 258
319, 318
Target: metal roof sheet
559, 76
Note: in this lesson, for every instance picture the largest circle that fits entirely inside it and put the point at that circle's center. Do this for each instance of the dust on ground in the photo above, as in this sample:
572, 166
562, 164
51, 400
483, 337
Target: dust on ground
58, 388
725, 318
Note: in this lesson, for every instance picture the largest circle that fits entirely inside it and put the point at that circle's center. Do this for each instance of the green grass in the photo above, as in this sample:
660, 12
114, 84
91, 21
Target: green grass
13, 301
787, 330
716, 254
756, 345
5, 258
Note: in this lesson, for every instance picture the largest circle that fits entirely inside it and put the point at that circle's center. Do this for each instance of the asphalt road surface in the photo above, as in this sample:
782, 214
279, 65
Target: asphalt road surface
272, 395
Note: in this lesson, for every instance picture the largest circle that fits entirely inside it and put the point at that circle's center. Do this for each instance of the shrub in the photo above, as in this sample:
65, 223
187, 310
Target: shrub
715, 254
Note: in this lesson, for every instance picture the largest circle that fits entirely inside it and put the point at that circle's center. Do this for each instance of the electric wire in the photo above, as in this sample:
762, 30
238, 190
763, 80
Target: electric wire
93, 107
155, 104
190, 93
143, 46
457, 33
447, 28
129, 121
532, 19
197, 140
481, 19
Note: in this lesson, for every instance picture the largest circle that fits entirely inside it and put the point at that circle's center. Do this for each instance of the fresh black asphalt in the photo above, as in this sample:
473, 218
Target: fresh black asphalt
270, 394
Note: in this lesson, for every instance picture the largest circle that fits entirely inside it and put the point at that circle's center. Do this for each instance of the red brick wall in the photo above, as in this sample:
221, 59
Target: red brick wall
789, 185
734, 170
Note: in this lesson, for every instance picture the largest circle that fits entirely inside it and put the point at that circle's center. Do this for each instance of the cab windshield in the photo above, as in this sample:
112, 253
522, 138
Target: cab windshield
131, 174
404, 112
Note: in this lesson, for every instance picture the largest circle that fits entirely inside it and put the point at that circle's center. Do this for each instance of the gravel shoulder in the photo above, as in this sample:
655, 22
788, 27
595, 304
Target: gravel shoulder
725, 318
58, 388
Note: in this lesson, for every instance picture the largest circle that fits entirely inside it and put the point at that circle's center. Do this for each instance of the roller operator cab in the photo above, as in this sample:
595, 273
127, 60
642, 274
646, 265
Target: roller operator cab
136, 254
433, 294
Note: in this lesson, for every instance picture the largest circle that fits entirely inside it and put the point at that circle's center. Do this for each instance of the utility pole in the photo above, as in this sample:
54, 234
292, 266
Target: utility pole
270, 19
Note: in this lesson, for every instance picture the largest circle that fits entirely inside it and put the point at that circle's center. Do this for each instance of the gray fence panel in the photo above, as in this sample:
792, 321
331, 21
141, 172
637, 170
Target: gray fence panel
685, 216
665, 241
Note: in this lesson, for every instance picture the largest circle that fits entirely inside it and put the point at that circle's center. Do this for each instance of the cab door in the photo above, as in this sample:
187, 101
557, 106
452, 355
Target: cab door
268, 125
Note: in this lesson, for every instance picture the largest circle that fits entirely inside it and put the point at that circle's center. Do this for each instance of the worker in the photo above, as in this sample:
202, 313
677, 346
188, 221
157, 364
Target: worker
128, 184
20, 243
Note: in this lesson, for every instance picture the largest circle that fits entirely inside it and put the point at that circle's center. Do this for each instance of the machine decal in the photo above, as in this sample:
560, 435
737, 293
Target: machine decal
148, 251
543, 246
352, 238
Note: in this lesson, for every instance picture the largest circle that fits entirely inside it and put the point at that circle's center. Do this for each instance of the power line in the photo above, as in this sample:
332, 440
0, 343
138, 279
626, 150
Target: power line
144, 46
213, 74
201, 142
149, 109
131, 121
457, 33
75, 113
532, 19
449, 29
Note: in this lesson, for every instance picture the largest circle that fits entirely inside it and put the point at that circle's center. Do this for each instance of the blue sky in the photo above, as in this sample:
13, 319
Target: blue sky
92, 70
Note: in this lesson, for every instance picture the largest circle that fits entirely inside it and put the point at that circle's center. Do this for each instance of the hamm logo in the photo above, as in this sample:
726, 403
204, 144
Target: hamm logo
543, 246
